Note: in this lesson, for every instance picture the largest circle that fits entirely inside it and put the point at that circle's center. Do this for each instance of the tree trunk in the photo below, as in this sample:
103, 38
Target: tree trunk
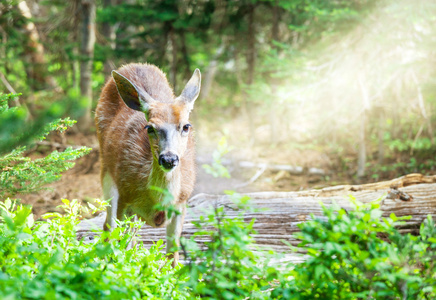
208, 79
251, 51
75, 65
185, 55
381, 134
36, 70
251, 57
108, 32
279, 213
173, 71
10, 89
87, 56
161, 60
362, 131
210, 74
75, 69
422, 109
361, 160
273, 100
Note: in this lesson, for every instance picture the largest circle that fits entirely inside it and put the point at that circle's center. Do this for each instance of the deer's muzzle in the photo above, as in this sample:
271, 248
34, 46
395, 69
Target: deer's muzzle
168, 161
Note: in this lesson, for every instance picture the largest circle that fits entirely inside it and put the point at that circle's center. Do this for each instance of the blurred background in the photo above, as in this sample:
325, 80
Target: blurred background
296, 94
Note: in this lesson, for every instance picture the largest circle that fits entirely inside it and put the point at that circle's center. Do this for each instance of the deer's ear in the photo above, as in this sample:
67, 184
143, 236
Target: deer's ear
192, 90
133, 97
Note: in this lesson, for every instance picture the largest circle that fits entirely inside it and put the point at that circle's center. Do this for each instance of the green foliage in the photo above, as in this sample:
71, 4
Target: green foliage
167, 202
301, 46
409, 155
17, 128
315, 18
360, 255
225, 267
406, 145
21, 174
217, 169
353, 254
403, 167
44, 260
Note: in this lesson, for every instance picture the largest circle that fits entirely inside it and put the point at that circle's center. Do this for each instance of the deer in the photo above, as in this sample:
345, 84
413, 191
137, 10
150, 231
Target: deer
146, 145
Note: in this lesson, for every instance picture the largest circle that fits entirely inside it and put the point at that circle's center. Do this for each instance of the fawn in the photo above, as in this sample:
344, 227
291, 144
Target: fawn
146, 141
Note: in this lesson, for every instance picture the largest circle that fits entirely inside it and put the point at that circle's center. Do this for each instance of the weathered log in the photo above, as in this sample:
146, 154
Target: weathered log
279, 213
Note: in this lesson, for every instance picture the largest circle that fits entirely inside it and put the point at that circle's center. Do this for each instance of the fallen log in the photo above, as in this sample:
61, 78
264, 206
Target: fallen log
279, 213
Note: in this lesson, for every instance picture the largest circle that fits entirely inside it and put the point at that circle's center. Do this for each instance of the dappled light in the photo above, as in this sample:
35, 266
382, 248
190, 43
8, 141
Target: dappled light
217, 149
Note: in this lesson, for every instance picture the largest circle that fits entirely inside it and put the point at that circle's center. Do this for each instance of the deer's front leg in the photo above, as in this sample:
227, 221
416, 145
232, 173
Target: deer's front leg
174, 230
110, 192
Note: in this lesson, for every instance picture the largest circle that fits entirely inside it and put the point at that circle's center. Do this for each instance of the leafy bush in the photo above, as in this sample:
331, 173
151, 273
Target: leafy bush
352, 255
44, 260
226, 267
217, 169
359, 255
20, 174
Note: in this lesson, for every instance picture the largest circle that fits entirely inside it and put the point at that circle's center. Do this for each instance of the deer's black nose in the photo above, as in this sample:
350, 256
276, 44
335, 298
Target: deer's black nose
168, 160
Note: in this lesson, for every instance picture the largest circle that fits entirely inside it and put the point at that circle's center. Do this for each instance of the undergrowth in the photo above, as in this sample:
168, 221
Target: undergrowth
356, 254
18, 172
351, 255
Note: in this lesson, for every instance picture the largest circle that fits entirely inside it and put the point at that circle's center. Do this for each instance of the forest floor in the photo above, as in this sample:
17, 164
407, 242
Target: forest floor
83, 181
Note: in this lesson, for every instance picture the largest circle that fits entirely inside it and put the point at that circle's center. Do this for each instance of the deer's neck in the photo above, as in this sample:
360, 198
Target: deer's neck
164, 180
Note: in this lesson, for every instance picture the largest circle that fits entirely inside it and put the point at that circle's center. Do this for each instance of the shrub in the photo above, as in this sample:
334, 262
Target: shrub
216, 168
21, 174
226, 266
352, 255
44, 260
360, 255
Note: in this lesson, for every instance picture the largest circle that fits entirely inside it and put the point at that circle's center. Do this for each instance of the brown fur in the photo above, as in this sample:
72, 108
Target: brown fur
125, 150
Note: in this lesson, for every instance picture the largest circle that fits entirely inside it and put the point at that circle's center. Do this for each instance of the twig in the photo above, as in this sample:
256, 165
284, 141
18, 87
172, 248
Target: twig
259, 172
63, 146
416, 139
10, 88
422, 107
220, 236
135, 231
7, 84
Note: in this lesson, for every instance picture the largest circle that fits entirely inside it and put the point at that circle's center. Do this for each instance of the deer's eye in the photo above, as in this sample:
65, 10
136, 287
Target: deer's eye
185, 128
150, 129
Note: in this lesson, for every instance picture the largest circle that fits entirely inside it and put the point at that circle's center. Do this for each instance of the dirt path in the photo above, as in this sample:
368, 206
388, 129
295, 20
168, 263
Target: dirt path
85, 186
83, 181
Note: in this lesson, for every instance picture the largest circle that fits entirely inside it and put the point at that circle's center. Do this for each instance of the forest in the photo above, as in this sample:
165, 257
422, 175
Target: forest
301, 101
